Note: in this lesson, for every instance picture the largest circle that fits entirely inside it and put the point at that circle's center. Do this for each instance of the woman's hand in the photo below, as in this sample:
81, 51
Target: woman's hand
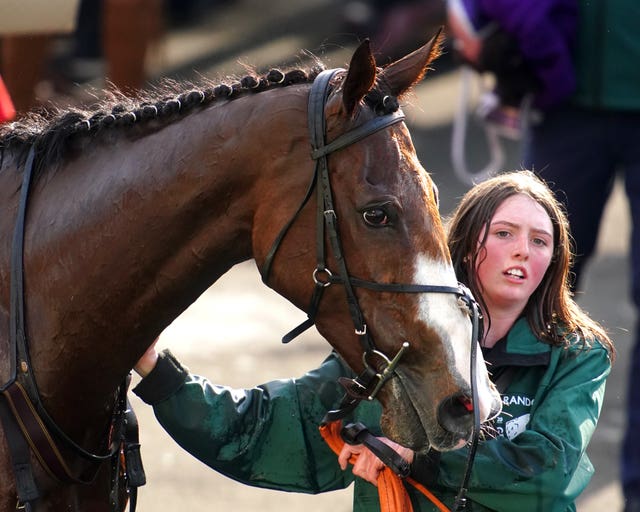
368, 465
148, 360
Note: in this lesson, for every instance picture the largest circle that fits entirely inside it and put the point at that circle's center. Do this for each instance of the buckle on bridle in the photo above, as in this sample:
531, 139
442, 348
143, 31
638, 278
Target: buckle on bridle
466, 299
330, 213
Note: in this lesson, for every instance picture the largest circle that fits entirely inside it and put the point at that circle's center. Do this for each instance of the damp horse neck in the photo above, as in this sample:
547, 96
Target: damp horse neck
125, 233
155, 205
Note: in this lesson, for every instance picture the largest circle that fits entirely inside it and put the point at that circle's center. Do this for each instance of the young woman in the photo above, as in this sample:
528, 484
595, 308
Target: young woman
510, 245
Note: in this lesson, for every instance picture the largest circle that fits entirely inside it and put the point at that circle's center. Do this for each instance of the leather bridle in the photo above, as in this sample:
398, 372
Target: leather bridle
366, 385
326, 223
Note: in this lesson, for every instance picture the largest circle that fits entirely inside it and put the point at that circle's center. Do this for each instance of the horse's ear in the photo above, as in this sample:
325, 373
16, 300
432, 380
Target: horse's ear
403, 74
360, 77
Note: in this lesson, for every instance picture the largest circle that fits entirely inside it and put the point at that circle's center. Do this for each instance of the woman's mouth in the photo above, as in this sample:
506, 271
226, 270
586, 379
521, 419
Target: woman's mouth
515, 272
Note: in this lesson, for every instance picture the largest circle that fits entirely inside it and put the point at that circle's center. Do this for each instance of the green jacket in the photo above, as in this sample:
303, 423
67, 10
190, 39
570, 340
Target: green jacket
268, 436
607, 55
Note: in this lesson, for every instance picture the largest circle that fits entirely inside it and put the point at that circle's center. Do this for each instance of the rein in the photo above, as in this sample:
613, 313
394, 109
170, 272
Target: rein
27, 423
366, 385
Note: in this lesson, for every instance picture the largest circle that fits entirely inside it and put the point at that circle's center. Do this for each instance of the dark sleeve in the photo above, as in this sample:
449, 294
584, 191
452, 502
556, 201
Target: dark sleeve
266, 436
164, 380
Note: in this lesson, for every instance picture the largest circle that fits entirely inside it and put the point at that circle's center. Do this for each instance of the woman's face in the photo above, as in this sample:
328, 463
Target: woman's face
517, 254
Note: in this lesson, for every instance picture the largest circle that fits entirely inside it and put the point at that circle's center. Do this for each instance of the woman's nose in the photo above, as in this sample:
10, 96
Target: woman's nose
521, 249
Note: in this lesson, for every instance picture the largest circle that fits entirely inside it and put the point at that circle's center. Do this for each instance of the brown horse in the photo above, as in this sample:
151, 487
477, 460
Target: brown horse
139, 205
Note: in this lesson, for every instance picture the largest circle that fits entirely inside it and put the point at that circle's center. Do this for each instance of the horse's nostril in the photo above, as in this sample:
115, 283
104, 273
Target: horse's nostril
454, 413
466, 402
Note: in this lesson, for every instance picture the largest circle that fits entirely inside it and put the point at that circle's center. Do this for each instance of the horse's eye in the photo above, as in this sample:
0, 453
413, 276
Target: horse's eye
376, 217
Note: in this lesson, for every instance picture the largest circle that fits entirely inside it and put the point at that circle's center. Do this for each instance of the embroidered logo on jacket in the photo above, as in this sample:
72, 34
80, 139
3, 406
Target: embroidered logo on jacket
516, 426
515, 415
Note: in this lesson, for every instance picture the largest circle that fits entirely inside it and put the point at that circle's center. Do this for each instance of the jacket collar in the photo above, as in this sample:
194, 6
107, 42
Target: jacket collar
520, 347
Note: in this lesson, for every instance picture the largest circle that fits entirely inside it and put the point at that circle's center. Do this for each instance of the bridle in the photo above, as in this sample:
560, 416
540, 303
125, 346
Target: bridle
366, 385
29, 427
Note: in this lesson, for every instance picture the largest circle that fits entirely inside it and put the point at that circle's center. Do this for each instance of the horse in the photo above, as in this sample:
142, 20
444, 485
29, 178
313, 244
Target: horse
139, 203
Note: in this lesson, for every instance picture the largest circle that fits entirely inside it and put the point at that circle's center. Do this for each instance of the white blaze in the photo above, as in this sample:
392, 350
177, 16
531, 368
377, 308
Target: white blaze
441, 312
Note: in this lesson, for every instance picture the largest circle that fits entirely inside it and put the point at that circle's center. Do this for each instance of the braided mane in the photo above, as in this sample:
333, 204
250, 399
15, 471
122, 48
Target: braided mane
55, 132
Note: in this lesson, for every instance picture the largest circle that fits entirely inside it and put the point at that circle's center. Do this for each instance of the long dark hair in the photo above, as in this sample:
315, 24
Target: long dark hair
551, 311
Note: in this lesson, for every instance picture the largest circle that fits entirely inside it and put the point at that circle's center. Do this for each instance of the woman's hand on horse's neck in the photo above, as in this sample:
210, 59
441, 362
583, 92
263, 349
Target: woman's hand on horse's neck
148, 361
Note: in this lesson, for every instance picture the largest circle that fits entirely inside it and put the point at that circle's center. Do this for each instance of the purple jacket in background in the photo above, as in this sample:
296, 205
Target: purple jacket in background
546, 34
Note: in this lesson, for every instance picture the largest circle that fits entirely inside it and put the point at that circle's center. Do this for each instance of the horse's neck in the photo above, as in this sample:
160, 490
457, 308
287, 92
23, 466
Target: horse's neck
122, 239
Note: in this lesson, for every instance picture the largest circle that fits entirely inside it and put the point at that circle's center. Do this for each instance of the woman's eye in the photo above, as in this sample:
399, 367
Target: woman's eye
376, 217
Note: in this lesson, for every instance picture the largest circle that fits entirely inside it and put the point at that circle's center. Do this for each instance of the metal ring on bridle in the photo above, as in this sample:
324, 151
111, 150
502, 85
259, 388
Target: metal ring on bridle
320, 281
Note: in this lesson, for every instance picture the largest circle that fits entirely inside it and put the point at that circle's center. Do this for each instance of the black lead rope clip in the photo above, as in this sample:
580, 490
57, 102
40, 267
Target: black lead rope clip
357, 433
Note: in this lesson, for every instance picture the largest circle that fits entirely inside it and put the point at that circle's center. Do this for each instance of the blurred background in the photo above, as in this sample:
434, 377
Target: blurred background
231, 334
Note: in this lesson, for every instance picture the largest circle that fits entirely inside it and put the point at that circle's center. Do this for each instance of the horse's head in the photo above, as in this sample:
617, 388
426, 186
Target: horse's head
389, 231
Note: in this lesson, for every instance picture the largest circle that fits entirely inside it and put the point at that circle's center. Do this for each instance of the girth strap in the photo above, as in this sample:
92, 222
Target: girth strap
133, 460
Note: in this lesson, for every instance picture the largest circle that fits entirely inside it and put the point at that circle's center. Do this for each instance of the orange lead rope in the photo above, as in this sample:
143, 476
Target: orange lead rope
392, 492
